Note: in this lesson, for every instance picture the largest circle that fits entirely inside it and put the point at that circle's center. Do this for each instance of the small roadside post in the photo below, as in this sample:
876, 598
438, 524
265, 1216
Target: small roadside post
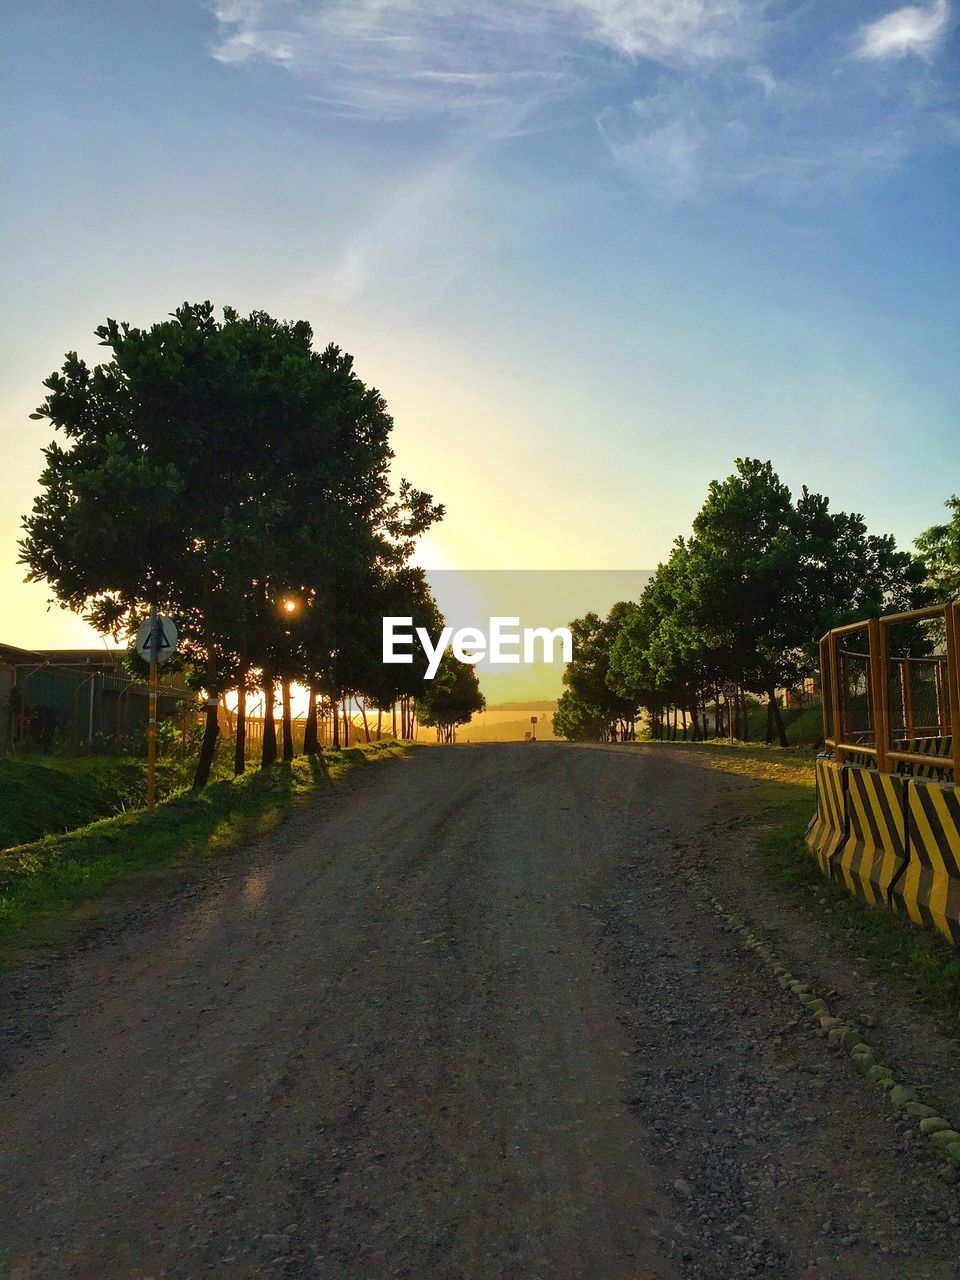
156, 641
729, 694
533, 730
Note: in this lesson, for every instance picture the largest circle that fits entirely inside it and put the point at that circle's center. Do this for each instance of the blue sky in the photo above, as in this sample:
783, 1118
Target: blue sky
590, 250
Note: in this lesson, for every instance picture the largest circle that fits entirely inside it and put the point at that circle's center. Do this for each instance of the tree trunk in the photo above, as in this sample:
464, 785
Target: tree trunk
240, 741
269, 752
777, 717
393, 711
287, 720
208, 747
346, 724
335, 718
310, 725
211, 728
379, 723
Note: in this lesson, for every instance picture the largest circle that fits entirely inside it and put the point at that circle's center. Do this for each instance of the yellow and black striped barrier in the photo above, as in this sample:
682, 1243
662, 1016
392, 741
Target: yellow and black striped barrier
929, 892
827, 830
891, 840
874, 854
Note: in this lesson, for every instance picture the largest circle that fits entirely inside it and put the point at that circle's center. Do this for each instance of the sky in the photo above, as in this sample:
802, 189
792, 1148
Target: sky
591, 251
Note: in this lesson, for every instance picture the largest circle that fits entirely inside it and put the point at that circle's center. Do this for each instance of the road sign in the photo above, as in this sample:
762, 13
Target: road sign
166, 639
533, 719
729, 689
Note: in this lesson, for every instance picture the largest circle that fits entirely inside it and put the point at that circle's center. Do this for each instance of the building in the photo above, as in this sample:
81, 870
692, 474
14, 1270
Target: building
83, 697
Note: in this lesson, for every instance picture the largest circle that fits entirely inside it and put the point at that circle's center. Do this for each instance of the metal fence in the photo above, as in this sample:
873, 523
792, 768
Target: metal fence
891, 695
48, 702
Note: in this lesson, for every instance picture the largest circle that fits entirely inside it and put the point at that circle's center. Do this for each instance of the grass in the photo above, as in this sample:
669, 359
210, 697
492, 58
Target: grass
774, 812
43, 795
805, 727
50, 883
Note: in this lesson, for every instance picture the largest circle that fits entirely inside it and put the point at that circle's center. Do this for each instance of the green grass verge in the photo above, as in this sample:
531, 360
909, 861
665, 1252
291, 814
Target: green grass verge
42, 795
49, 884
773, 812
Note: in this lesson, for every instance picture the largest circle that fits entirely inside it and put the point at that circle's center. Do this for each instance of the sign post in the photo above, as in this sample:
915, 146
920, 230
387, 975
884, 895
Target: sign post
156, 641
729, 697
152, 712
533, 731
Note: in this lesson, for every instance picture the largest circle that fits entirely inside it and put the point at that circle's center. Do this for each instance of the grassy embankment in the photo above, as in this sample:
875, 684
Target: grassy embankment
44, 795
772, 814
47, 883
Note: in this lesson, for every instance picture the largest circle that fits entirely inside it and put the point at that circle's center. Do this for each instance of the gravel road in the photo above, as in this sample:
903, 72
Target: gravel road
464, 1018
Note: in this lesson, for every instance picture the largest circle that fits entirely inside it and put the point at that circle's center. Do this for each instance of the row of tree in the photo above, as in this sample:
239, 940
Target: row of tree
226, 472
743, 600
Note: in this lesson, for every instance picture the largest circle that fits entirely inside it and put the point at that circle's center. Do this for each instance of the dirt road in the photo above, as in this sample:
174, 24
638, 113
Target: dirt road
464, 1018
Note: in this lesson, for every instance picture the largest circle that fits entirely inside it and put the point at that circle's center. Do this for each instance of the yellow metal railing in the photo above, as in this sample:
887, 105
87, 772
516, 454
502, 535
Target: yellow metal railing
871, 669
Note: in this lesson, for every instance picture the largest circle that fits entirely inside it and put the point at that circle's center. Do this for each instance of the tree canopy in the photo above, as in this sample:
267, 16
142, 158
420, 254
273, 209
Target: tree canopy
451, 697
227, 472
743, 599
940, 548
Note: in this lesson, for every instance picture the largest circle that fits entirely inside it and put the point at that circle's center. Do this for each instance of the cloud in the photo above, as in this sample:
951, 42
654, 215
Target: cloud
661, 140
765, 78
420, 58
799, 140
913, 30
688, 95
679, 32
425, 234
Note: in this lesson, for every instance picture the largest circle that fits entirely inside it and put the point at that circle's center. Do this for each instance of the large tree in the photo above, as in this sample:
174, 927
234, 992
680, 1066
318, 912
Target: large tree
745, 598
589, 707
217, 469
770, 574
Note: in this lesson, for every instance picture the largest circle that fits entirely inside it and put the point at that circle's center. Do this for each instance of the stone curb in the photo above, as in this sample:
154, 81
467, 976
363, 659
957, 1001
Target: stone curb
944, 1140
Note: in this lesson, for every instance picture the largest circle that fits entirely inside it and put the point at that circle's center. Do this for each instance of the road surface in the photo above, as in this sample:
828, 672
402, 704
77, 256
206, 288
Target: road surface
465, 1018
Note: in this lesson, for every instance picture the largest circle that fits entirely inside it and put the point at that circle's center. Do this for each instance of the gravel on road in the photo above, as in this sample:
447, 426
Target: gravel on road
466, 1017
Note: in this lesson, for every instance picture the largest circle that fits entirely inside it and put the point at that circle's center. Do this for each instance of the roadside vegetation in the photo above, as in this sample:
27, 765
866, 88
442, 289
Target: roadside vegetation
256, 472
43, 795
46, 883
772, 816
732, 617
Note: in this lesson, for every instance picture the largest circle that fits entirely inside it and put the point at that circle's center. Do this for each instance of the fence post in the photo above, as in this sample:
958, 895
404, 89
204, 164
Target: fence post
953, 684
835, 694
826, 693
878, 693
907, 697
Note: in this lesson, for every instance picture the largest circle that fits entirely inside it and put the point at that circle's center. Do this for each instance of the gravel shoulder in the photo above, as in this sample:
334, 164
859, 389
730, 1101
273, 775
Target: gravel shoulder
467, 1018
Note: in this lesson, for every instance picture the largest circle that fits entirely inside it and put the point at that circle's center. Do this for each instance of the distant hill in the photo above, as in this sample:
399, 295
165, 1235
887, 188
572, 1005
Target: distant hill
509, 722
532, 707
